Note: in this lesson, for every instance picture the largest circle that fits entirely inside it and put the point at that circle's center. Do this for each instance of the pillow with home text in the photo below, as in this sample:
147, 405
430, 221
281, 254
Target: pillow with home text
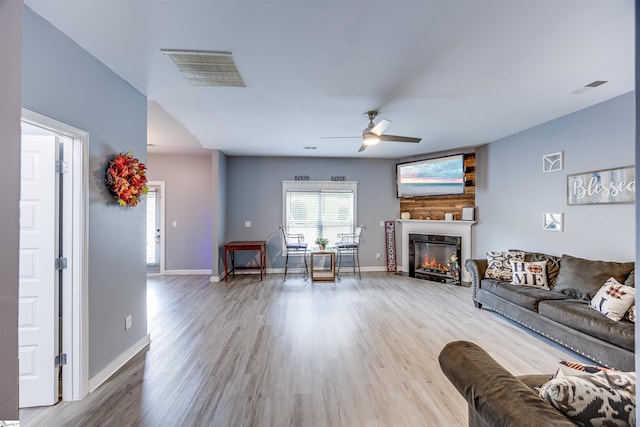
532, 274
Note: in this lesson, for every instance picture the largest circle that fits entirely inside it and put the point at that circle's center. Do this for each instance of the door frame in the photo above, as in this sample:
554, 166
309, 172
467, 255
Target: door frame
161, 186
75, 302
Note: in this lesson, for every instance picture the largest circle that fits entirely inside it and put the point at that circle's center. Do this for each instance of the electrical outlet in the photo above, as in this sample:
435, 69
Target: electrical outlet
381, 223
247, 224
128, 321
378, 255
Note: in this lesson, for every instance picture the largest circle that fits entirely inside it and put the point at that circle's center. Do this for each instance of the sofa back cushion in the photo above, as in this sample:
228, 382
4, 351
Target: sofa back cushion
582, 278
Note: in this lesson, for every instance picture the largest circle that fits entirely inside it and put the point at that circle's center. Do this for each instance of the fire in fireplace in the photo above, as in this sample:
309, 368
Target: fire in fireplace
435, 257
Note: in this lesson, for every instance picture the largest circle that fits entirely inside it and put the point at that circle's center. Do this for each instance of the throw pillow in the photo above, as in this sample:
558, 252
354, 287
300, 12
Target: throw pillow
553, 266
614, 299
582, 278
600, 399
631, 314
532, 274
499, 264
567, 368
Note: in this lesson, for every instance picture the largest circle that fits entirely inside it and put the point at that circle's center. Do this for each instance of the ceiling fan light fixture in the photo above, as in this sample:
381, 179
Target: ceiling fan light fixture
370, 138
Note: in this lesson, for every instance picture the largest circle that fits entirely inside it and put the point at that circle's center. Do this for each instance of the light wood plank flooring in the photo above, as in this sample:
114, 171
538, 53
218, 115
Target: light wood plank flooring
273, 353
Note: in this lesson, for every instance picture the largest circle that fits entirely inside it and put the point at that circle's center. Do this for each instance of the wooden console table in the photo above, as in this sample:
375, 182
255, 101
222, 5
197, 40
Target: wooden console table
252, 245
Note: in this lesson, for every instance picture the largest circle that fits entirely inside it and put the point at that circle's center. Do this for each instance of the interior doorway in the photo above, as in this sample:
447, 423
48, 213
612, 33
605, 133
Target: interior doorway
52, 323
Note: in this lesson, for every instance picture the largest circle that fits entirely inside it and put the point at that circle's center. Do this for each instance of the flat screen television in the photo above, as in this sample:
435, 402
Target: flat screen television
431, 177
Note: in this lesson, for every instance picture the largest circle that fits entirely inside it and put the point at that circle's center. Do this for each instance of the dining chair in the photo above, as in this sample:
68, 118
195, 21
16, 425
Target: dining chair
349, 245
294, 244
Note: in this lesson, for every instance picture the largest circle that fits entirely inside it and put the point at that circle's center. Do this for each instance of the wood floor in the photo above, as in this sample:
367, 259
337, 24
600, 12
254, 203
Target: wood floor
273, 353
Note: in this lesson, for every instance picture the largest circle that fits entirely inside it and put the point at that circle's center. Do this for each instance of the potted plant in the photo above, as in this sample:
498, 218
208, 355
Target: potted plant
322, 243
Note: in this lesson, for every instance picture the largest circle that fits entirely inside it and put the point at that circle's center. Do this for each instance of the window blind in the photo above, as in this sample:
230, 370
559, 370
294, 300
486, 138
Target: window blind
319, 214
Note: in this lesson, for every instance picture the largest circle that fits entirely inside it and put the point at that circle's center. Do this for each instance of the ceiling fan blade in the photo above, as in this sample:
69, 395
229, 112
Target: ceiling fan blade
380, 127
362, 148
340, 137
396, 138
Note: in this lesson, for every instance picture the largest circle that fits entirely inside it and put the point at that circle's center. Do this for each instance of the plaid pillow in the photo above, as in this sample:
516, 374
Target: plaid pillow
614, 299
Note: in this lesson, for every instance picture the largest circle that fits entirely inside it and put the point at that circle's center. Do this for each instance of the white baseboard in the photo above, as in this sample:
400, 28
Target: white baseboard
185, 272
292, 270
116, 364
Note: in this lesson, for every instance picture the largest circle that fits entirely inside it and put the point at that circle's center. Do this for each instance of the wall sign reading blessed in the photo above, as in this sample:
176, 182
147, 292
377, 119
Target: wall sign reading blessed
603, 186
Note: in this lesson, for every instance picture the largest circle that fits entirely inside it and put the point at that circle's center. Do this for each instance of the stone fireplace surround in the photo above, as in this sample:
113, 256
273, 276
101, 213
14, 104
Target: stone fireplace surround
463, 229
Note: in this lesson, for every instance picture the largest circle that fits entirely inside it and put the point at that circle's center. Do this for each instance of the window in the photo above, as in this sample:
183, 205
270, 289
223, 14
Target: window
319, 208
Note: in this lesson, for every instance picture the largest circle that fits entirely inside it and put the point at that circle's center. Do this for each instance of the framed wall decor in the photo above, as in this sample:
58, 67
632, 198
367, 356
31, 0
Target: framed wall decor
468, 213
616, 185
552, 162
552, 221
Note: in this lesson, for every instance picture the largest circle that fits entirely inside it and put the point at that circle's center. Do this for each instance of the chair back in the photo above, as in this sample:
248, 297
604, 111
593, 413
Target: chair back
291, 240
357, 234
351, 240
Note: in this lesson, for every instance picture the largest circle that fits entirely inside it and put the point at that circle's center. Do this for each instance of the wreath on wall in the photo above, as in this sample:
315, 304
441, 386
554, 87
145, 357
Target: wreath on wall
126, 179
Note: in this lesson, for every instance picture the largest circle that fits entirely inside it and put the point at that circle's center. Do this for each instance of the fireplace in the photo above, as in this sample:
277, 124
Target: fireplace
435, 257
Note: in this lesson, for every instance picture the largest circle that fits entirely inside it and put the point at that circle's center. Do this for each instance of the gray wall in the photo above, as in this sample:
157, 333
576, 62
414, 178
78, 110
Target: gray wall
512, 193
219, 162
64, 82
254, 193
189, 194
10, 112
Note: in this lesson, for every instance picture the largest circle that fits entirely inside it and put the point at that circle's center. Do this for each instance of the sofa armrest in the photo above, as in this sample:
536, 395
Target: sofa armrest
475, 267
493, 394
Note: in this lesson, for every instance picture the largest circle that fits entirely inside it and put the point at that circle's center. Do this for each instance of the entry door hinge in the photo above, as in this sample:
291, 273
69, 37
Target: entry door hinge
62, 166
61, 263
61, 359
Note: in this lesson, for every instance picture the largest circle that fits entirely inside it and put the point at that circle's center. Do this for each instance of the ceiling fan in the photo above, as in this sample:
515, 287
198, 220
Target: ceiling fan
373, 133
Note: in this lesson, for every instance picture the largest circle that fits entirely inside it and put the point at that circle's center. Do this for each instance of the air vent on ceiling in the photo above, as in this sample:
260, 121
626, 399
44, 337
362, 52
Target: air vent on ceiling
596, 83
203, 68
591, 85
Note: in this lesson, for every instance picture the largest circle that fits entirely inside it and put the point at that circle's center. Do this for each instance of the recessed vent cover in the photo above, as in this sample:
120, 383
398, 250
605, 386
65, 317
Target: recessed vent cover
596, 83
203, 68
591, 85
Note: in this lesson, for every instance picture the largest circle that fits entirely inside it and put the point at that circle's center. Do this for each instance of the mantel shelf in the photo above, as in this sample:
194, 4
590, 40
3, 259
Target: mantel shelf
436, 221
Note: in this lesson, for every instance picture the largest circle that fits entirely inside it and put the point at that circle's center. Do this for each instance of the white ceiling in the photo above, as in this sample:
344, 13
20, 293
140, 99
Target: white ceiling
456, 73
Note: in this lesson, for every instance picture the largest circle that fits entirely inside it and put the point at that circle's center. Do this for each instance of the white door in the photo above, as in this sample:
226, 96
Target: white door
153, 230
38, 293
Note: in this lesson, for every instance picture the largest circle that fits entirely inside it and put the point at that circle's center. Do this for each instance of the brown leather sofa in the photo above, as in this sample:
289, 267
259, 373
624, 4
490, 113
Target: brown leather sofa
495, 397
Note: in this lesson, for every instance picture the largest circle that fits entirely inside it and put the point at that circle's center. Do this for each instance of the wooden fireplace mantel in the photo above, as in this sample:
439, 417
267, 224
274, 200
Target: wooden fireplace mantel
464, 229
